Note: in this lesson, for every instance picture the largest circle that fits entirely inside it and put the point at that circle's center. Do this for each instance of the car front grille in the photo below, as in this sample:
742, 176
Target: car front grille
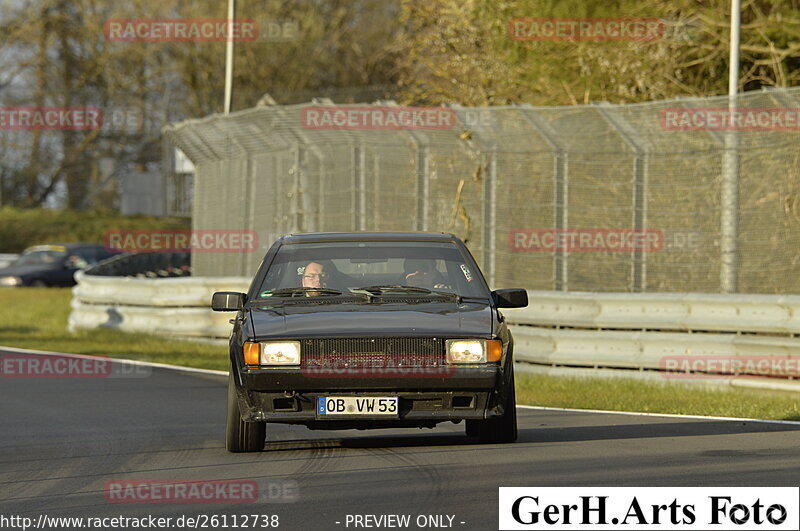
373, 352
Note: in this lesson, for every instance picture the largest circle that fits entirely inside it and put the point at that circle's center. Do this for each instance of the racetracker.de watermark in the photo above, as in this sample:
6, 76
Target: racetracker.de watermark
727, 119
31, 118
180, 30
586, 29
682, 367
377, 369
278, 30
200, 491
182, 240
127, 120
682, 240
377, 118
69, 366
585, 240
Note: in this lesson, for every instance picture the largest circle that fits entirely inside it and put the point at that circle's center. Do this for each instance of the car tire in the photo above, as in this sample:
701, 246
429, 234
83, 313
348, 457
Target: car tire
241, 436
501, 429
38, 283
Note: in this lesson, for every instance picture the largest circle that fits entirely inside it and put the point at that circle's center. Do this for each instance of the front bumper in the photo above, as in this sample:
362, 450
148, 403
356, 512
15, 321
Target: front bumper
290, 396
415, 409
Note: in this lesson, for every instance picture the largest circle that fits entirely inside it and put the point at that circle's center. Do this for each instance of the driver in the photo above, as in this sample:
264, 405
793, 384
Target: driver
314, 276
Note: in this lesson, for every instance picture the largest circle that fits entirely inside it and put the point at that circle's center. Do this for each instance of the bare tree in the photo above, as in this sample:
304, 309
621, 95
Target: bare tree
462, 51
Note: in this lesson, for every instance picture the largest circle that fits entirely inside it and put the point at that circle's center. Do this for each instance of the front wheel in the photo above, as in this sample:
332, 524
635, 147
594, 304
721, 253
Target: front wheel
501, 429
241, 436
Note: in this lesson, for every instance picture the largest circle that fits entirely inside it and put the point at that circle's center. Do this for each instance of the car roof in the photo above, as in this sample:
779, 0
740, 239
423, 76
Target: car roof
309, 237
61, 246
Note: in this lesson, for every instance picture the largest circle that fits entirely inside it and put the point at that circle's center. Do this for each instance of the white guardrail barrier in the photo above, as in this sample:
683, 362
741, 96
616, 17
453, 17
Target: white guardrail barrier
167, 306
662, 311
589, 330
720, 334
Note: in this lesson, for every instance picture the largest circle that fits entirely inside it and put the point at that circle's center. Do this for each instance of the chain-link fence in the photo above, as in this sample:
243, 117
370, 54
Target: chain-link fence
581, 198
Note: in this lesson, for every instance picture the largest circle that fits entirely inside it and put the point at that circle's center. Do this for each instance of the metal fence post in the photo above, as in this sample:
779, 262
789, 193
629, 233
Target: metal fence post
423, 186
561, 214
279, 203
490, 219
729, 189
639, 199
248, 201
376, 191
318, 199
298, 189
297, 216
729, 215
560, 193
639, 266
359, 188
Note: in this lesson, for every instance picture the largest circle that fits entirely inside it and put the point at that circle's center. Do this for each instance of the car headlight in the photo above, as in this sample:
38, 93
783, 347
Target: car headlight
10, 281
473, 350
272, 353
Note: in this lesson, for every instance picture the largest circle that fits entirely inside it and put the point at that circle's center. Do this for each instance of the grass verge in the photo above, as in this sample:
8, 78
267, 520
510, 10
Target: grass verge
36, 318
617, 394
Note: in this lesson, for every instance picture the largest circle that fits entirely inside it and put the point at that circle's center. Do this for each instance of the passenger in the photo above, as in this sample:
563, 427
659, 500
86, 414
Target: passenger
422, 274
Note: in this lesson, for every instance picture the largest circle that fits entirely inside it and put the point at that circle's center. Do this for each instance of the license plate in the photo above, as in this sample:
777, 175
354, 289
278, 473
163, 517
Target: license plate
381, 406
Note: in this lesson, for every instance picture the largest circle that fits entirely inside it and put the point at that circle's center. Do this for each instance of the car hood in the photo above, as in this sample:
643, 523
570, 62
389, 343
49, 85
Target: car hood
25, 270
343, 320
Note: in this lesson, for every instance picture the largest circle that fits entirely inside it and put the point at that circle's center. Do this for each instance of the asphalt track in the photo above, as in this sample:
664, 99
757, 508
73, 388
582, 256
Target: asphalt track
62, 439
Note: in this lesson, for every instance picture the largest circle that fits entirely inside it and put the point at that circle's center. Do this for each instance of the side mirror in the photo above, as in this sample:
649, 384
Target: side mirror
510, 298
228, 301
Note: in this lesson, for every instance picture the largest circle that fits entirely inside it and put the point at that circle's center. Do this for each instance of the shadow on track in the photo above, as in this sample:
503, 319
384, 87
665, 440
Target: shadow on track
373, 441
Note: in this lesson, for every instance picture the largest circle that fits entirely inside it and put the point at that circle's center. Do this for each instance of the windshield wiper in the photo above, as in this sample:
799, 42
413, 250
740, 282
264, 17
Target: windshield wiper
291, 292
414, 290
395, 288
448, 294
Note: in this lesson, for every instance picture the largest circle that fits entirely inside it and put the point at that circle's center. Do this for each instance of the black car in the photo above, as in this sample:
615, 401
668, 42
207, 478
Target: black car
52, 265
369, 330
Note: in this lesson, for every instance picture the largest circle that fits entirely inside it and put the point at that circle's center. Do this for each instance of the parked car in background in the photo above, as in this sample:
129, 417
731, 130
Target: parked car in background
52, 264
7, 259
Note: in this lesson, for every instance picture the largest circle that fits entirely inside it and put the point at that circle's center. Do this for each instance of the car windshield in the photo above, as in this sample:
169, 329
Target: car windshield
41, 257
376, 268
